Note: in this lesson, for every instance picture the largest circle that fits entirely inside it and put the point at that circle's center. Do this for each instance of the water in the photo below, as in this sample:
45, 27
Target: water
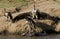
26, 37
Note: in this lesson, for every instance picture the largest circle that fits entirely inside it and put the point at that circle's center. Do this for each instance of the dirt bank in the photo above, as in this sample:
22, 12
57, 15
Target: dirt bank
48, 6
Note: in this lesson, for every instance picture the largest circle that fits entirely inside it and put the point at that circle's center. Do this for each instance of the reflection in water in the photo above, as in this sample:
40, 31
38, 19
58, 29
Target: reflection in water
26, 37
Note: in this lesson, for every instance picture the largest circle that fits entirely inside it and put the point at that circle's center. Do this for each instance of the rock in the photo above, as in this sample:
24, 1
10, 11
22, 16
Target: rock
57, 27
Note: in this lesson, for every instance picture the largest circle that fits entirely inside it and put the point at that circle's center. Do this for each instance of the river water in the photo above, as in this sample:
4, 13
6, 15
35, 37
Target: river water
26, 37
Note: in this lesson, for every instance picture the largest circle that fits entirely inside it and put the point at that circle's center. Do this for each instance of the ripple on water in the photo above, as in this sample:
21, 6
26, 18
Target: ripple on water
26, 37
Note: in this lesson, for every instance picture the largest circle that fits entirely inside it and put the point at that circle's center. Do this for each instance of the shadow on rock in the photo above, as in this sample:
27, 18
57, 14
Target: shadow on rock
21, 16
49, 29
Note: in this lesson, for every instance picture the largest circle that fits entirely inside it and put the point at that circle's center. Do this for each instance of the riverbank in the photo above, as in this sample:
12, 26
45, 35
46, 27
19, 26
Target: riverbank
50, 7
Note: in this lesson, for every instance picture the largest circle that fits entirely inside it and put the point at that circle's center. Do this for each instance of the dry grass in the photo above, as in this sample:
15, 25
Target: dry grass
46, 21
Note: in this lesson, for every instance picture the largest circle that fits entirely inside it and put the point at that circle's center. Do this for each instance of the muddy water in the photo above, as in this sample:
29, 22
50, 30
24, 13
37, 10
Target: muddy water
26, 37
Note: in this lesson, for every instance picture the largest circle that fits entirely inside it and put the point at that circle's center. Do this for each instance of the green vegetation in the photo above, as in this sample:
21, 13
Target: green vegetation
54, 0
12, 3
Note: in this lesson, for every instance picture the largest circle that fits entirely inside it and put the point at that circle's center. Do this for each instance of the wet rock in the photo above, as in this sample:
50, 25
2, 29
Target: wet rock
41, 34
